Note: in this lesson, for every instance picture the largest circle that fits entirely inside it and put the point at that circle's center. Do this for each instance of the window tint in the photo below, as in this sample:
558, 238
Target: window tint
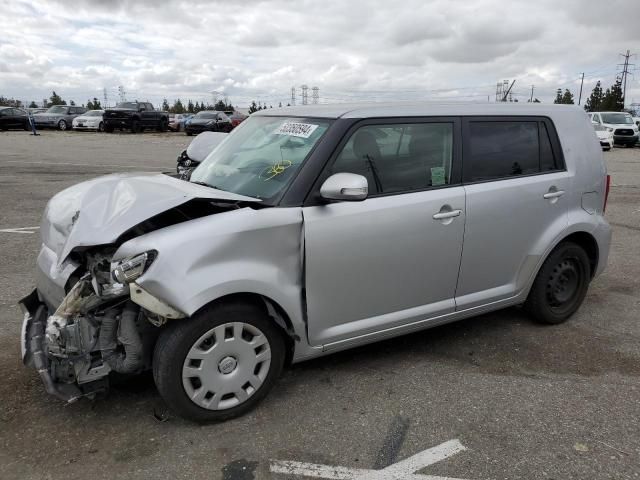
547, 159
399, 158
503, 149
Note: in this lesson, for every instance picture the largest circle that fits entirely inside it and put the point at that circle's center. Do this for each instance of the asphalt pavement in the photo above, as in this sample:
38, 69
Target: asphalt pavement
500, 396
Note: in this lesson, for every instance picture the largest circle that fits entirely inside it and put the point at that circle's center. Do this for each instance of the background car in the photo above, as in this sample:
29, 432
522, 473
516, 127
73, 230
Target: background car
636, 120
625, 131
92, 120
176, 122
236, 118
605, 136
208, 121
58, 116
13, 118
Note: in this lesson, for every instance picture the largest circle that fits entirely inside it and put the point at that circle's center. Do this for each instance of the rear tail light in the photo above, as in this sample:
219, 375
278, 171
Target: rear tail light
606, 192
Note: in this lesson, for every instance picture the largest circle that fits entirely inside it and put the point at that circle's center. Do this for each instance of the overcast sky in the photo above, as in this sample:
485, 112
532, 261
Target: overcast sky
351, 50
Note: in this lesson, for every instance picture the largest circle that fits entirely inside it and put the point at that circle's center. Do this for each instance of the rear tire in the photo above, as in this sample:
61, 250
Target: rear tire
208, 356
560, 286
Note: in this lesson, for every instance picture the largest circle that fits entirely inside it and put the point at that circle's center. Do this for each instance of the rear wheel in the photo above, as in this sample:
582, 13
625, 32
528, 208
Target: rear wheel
220, 363
561, 284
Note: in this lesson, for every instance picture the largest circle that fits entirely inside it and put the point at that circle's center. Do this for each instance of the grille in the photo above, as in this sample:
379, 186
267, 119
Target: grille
624, 131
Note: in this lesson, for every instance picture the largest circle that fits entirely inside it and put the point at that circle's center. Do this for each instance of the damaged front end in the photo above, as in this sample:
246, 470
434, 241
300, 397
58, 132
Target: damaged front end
88, 317
96, 329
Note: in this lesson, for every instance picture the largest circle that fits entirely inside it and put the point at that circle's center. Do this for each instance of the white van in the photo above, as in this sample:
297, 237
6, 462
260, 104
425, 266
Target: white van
625, 132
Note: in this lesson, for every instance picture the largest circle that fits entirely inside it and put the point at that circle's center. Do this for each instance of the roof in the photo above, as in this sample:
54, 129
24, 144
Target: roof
406, 109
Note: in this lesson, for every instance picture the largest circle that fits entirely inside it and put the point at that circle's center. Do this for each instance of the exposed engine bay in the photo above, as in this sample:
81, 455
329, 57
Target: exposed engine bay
96, 330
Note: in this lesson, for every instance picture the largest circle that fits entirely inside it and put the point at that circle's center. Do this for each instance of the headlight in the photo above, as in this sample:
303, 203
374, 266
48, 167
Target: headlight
609, 129
127, 270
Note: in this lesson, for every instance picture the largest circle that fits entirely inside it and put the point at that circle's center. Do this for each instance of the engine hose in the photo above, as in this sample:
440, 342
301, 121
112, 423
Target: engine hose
130, 360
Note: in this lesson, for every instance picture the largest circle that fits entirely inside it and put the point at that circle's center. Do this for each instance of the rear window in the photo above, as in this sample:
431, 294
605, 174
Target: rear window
503, 149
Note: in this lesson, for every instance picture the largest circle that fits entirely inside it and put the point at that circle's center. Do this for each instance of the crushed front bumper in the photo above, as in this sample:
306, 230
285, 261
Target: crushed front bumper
32, 342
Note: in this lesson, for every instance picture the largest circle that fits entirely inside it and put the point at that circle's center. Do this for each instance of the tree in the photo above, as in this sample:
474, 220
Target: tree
536, 101
190, 106
558, 99
55, 99
613, 99
165, 105
72, 103
567, 97
94, 105
220, 106
280, 105
594, 102
253, 107
177, 107
33, 104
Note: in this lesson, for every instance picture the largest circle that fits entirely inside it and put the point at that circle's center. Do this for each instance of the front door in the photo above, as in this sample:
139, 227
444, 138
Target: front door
393, 258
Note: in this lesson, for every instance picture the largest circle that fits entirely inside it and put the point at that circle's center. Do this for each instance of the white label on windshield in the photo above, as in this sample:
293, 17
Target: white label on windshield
295, 129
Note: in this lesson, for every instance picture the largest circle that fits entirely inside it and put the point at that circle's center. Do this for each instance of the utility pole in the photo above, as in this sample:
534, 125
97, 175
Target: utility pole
305, 94
293, 96
122, 93
315, 95
531, 99
581, 84
625, 73
104, 93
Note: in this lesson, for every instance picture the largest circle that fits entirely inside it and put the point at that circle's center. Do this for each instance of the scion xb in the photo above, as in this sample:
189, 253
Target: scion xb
309, 230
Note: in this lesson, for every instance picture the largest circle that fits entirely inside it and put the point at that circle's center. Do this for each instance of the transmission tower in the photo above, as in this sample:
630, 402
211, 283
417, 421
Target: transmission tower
122, 94
293, 96
104, 93
315, 95
305, 94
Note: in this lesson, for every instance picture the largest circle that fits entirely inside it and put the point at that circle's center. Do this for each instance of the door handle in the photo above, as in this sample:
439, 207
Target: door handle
445, 215
554, 194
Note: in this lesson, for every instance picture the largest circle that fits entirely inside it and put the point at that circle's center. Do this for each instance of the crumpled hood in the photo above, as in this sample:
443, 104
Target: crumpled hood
98, 211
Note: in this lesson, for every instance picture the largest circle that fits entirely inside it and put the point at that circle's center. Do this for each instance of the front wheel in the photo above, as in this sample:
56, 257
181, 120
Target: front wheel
220, 363
101, 127
62, 125
561, 285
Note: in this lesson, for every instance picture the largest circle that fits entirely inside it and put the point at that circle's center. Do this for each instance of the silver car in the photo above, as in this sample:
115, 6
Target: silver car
58, 116
310, 230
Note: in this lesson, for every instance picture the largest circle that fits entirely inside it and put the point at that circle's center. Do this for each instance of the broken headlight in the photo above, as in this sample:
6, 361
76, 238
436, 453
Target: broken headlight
127, 270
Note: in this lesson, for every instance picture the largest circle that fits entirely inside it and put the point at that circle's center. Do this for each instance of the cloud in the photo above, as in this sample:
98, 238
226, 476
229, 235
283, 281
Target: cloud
259, 49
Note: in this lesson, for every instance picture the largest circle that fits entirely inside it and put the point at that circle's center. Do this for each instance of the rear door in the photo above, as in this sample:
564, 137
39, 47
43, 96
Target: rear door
517, 193
393, 258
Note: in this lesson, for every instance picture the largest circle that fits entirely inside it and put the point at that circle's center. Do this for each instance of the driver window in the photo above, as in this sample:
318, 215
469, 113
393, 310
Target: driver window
399, 158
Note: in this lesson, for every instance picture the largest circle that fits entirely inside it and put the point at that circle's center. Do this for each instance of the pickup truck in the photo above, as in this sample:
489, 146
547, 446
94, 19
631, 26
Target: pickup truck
135, 117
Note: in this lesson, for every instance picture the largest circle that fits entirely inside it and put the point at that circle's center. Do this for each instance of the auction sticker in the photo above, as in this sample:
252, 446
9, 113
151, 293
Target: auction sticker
295, 129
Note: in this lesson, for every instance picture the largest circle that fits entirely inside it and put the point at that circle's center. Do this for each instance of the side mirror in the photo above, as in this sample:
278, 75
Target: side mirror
345, 186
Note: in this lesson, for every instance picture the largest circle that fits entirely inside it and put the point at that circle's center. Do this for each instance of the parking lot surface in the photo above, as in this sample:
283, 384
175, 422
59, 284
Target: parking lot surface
520, 400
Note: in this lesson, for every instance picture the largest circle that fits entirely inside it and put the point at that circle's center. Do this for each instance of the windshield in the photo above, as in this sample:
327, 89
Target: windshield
57, 109
206, 115
129, 105
261, 156
617, 118
93, 113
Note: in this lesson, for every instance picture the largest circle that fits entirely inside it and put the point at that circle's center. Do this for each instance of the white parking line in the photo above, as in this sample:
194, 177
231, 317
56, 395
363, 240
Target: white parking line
110, 165
19, 230
403, 470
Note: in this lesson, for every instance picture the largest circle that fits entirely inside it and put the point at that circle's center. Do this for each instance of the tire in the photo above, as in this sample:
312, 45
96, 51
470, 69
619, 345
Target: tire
135, 126
62, 125
163, 126
108, 129
188, 133
178, 359
560, 286
101, 127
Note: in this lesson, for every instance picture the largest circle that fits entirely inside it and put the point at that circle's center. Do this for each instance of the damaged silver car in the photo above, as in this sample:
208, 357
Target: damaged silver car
310, 230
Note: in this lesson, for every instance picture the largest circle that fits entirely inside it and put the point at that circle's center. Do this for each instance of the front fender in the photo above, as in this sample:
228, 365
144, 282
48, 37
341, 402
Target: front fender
238, 251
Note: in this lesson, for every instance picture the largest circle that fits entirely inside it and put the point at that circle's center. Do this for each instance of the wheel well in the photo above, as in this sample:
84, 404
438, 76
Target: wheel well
590, 246
270, 308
